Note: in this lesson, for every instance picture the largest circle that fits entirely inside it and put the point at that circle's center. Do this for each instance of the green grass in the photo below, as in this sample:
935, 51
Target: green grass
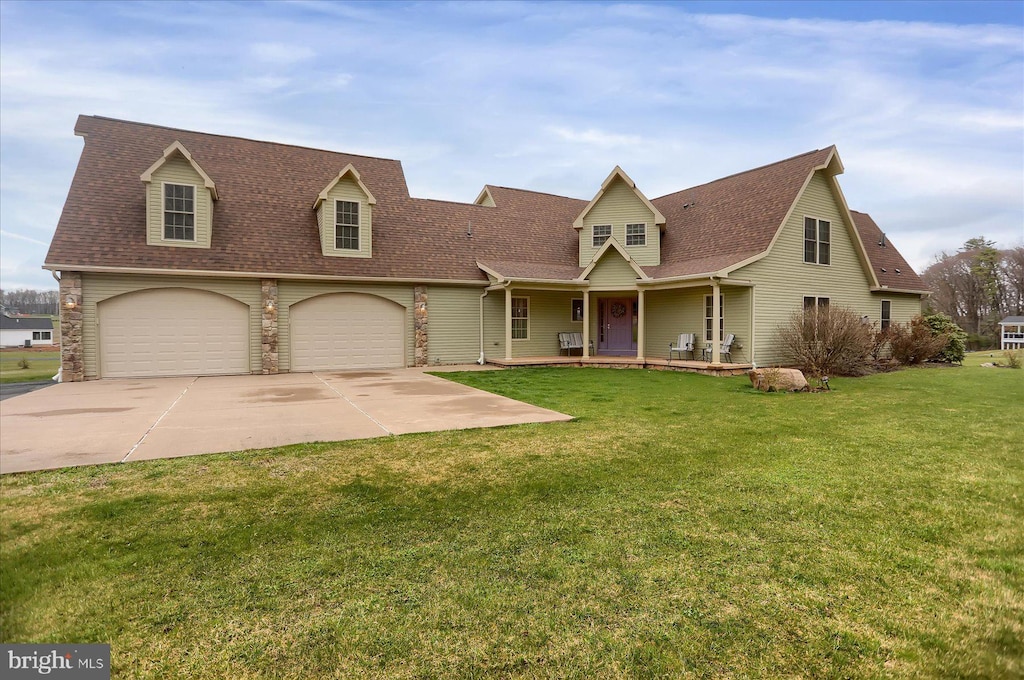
42, 366
682, 526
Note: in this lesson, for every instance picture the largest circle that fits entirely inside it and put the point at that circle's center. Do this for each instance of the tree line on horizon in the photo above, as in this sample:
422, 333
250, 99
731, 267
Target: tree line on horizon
977, 287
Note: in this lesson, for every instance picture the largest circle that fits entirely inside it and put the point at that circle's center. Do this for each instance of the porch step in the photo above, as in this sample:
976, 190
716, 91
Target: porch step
626, 362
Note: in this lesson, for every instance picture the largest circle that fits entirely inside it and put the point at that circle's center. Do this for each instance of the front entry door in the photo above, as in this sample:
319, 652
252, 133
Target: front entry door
616, 321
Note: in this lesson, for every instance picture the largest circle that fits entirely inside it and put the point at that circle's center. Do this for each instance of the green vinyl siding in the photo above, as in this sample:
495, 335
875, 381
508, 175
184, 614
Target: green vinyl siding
671, 312
345, 190
99, 287
550, 314
612, 273
494, 325
782, 278
177, 170
293, 292
453, 325
619, 206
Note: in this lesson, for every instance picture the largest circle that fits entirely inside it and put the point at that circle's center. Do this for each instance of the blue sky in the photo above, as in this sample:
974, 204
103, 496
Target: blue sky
925, 101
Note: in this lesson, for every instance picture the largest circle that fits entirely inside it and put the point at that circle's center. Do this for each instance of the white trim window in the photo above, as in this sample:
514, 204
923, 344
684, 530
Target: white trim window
886, 318
346, 225
520, 318
709, 319
813, 303
179, 212
577, 310
636, 234
602, 232
42, 335
817, 241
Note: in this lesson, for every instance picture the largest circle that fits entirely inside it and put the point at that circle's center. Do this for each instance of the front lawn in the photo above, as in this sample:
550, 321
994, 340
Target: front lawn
42, 365
682, 526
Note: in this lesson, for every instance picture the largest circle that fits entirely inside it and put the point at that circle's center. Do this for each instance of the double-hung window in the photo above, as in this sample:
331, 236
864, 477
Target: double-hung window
602, 232
179, 212
636, 234
709, 318
886, 314
812, 303
346, 225
520, 318
41, 335
817, 241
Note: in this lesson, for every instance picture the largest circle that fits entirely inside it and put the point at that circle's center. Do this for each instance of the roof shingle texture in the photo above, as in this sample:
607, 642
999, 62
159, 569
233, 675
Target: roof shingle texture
889, 266
264, 222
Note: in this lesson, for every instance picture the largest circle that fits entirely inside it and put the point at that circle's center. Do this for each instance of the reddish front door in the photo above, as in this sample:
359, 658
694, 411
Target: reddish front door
616, 320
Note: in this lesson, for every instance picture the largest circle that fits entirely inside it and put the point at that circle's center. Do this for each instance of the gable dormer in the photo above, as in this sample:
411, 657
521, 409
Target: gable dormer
621, 213
344, 216
485, 198
179, 200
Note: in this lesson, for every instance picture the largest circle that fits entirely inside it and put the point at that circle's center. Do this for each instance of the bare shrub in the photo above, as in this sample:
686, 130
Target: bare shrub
916, 342
827, 341
1013, 358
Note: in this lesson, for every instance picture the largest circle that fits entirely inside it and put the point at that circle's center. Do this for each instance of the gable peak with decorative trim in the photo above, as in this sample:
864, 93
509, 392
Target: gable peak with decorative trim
346, 171
178, 149
619, 174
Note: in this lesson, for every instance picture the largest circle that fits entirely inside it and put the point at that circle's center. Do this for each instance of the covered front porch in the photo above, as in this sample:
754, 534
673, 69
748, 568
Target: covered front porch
622, 325
599, 361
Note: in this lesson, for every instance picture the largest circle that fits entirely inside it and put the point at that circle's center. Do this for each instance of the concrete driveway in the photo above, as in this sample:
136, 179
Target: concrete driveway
117, 421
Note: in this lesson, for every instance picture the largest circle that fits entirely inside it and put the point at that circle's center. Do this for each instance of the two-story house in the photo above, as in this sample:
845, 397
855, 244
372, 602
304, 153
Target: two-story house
183, 253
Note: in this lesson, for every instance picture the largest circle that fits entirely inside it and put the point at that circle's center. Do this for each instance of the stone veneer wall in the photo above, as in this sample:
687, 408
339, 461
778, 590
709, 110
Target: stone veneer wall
71, 359
269, 303
420, 324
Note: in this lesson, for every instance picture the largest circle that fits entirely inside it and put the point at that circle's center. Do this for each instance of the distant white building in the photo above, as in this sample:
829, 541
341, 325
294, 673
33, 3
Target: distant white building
16, 331
1011, 333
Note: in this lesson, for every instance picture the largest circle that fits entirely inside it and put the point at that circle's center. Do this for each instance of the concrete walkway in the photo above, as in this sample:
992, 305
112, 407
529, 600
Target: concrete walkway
111, 421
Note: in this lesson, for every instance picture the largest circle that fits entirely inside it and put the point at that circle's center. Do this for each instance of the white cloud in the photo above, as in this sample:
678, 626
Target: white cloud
280, 53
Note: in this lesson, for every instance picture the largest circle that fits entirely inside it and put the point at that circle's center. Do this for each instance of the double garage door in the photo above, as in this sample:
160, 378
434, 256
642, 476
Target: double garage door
179, 331
346, 330
173, 331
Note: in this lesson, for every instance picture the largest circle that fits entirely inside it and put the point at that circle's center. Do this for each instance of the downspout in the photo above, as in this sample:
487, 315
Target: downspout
60, 345
481, 359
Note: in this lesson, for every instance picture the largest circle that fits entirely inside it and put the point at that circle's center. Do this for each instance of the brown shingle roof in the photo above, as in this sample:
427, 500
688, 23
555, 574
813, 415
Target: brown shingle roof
264, 222
720, 223
889, 266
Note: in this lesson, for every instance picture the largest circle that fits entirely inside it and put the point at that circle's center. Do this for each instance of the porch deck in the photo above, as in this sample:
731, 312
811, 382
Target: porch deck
626, 362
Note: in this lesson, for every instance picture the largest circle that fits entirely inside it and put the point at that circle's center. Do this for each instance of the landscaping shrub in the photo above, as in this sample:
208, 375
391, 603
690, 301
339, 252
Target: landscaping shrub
23, 363
827, 341
915, 343
956, 345
1013, 359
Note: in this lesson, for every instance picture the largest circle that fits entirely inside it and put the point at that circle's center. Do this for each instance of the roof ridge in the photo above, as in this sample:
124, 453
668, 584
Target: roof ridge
743, 172
531, 191
244, 139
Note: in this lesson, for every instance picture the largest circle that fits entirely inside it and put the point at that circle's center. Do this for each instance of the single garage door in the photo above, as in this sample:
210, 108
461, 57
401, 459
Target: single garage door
173, 331
346, 330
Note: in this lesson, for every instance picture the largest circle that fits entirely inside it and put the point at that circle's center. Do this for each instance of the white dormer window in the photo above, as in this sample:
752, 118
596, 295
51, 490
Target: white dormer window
636, 234
602, 232
346, 225
179, 212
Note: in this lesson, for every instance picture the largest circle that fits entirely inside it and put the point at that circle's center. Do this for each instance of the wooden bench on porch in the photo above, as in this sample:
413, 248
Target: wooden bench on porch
572, 341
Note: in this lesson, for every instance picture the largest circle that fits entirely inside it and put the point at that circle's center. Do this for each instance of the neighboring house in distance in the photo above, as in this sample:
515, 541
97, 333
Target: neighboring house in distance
15, 331
182, 253
1011, 333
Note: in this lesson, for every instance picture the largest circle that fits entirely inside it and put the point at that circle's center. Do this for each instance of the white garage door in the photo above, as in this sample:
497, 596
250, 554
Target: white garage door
346, 330
173, 331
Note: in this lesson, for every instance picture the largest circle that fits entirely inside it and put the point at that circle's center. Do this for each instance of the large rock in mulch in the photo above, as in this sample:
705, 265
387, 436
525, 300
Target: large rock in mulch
778, 380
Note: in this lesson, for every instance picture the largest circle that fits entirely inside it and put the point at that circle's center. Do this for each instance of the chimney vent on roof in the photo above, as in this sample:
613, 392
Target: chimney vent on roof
883, 270
881, 241
897, 271
469, 230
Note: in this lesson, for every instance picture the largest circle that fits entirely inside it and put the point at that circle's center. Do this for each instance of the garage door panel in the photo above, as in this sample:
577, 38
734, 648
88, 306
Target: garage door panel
347, 330
173, 331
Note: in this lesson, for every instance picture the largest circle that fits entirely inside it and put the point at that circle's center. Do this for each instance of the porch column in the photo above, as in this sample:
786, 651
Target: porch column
716, 319
586, 324
508, 323
640, 324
